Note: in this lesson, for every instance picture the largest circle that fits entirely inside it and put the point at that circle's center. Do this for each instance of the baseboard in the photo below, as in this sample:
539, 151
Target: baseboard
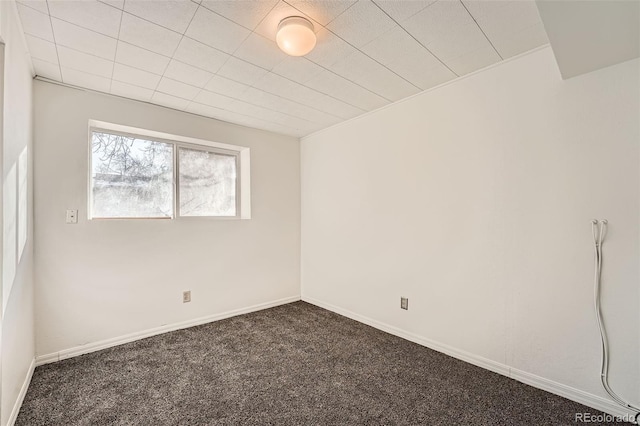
23, 392
432, 344
551, 386
108, 343
577, 395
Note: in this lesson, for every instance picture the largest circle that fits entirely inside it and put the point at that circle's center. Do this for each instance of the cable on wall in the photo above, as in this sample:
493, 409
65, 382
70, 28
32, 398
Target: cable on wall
599, 230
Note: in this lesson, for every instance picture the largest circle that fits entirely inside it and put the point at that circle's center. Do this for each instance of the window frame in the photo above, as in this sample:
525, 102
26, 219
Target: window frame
176, 182
206, 146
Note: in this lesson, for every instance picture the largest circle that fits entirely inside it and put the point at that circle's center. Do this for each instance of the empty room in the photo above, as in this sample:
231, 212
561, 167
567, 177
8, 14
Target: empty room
320, 212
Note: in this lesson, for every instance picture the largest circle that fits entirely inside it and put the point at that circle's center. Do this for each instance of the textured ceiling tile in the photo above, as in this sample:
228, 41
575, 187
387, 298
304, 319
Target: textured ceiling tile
483, 9
187, 74
464, 40
329, 49
200, 55
176, 88
397, 45
387, 84
135, 76
513, 27
205, 110
226, 116
475, 60
34, 22
114, 3
247, 13
299, 124
402, 10
270, 127
440, 20
316, 116
42, 49
47, 69
150, 36
283, 130
361, 23
169, 101
83, 79
298, 69
216, 31
304, 95
256, 123
339, 88
213, 99
174, 15
355, 65
137, 57
224, 86
241, 71
80, 61
260, 86
260, 51
246, 108
511, 18
269, 25
130, 91
307, 113
39, 5
291, 90
334, 106
277, 103
89, 14
81, 39
421, 72
521, 42
323, 11
289, 121
434, 77
301, 94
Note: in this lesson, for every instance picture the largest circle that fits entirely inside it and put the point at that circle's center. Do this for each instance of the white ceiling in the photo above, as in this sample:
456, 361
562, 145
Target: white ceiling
589, 35
218, 58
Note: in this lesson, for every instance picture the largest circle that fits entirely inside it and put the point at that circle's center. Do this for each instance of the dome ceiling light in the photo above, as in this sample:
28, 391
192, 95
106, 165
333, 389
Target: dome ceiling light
295, 36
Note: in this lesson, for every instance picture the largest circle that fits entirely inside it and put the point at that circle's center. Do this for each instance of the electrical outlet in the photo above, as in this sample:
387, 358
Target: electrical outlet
404, 303
72, 216
186, 296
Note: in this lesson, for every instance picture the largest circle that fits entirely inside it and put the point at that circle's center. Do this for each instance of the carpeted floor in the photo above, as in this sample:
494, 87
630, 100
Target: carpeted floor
295, 364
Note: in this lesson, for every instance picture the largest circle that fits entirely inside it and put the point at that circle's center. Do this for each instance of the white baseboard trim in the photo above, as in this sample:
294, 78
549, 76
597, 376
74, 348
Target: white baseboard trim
23, 392
577, 395
108, 343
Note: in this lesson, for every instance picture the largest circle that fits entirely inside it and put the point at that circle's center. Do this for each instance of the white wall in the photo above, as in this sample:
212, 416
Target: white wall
475, 200
17, 344
103, 279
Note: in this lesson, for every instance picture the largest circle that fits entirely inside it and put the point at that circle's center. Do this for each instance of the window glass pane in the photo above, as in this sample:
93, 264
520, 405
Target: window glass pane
207, 183
131, 177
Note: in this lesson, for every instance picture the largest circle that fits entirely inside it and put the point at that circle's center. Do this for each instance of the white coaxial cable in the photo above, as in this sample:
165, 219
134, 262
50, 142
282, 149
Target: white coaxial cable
599, 230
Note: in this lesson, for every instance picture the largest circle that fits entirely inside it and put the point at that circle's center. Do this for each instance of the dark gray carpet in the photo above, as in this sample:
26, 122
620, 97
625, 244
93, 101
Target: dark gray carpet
295, 364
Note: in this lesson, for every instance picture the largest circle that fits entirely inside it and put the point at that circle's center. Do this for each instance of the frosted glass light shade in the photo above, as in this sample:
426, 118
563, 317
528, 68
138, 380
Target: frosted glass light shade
295, 36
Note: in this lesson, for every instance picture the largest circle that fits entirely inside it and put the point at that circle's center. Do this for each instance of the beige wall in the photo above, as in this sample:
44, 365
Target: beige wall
475, 201
17, 337
103, 279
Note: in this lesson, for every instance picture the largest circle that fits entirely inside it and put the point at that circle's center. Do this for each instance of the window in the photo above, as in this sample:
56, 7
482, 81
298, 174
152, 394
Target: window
136, 176
131, 177
207, 183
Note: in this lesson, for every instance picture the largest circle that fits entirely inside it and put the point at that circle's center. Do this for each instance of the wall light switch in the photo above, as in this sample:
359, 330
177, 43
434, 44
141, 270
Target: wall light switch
404, 303
72, 216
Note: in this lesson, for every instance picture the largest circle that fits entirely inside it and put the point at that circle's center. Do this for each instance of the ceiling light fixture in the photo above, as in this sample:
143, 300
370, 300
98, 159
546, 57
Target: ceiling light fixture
295, 36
